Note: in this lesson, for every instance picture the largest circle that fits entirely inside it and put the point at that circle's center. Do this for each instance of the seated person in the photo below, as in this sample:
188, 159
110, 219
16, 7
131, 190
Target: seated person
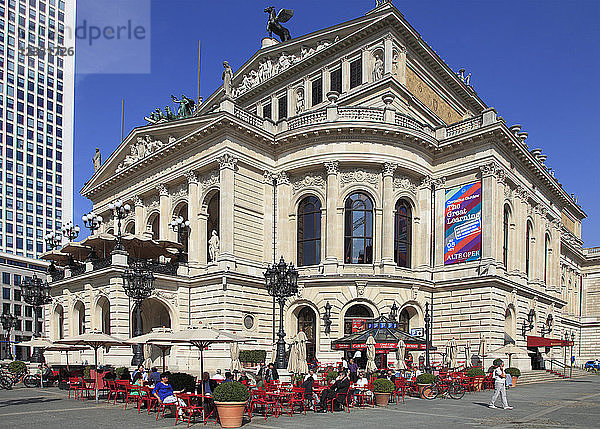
165, 394
307, 385
154, 376
271, 373
340, 387
138, 380
218, 377
209, 385
140, 369
228, 377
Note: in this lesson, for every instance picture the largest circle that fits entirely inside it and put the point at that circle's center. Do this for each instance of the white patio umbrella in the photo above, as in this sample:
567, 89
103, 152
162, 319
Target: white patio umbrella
482, 350
371, 367
274, 353
201, 338
447, 353
157, 335
302, 365
95, 340
509, 350
467, 353
453, 353
234, 350
293, 358
400, 352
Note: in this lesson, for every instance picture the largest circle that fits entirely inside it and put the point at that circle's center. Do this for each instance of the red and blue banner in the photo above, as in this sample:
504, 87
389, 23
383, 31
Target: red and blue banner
462, 220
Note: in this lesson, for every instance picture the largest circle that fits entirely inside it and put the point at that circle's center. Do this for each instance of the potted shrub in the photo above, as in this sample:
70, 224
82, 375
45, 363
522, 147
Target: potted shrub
250, 358
17, 367
230, 399
478, 374
182, 381
514, 373
331, 376
383, 388
424, 380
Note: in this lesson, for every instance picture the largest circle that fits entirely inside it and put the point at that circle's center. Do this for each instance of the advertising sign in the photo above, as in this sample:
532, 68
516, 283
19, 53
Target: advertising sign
462, 220
417, 332
358, 325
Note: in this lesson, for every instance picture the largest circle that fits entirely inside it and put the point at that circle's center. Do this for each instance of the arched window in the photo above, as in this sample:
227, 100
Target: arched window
59, 321
546, 256
505, 241
309, 231
355, 318
130, 228
358, 229
307, 322
402, 233
79, 318
154, 225
103, 315
528, 247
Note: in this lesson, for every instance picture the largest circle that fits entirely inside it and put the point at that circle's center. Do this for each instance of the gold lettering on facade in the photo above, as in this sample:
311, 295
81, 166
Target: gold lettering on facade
430, 98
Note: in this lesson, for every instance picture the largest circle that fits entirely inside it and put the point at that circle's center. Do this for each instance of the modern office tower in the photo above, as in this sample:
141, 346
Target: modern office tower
36, 123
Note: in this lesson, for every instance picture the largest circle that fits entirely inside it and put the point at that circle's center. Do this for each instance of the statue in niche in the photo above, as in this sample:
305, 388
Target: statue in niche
214, 247
395, 64
378, 68
227, 77
97, 160
299, 101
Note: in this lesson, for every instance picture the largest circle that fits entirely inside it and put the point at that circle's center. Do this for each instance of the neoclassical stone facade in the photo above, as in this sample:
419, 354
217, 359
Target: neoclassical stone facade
340, 160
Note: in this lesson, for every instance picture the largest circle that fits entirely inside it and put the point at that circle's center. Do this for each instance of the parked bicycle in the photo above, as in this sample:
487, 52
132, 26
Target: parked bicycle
9, 379
444, 388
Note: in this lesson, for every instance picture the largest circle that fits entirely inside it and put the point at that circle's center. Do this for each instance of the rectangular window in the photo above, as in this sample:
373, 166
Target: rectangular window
355, 73
28, 311
17, 309
6, 278
335, 80
282, 107
317, 91
6, 293
267, 111
28, 325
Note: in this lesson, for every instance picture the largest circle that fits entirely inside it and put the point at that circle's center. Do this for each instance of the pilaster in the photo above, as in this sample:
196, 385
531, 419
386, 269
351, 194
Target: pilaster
387, 232
227, 164
332, 229
345, 75
196, 240
165, 210
140, 226
388, 54
489, 216
284, 229
268, 201
440, 208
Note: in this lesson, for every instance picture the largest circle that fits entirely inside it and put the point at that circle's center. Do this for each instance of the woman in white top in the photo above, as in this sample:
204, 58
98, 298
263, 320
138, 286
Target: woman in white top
500, 387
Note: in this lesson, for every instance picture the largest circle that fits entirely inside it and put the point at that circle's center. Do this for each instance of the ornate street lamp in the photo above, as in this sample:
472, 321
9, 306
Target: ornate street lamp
138, 282
70, 231
181, 227
36, 293
327, 318
92, 221
53, 240
281, 281
9, 322
427, 320
120, 212
394, 311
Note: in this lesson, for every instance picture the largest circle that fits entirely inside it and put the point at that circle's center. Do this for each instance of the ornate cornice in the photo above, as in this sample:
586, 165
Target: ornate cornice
227, 161
137, 201
283, 178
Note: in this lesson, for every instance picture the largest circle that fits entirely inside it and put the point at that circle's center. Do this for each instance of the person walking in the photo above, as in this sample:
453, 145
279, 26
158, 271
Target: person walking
500, 387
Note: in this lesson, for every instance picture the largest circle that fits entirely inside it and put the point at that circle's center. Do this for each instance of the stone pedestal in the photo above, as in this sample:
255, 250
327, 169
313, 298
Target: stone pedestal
268, 41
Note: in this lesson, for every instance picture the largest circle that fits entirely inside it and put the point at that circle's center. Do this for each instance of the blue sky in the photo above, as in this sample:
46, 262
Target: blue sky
536, 62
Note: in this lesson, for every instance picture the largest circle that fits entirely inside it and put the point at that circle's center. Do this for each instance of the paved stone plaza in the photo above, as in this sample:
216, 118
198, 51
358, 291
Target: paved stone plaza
571, 403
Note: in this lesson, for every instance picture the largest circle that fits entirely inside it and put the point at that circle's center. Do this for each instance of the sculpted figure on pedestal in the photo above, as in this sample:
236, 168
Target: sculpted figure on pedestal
97, 160
378, 68
299, 101
274, 23
214, 246
227, 77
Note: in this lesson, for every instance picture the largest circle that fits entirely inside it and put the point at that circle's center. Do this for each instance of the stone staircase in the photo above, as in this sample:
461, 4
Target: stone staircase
532, 377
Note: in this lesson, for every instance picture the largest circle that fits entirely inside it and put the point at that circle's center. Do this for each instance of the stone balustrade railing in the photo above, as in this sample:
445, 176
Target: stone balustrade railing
360, 114
464, 126
592, 251
248, 117
307, 118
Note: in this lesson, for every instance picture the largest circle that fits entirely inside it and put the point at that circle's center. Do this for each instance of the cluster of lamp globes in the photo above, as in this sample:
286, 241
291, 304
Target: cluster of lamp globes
119, 207
179, 222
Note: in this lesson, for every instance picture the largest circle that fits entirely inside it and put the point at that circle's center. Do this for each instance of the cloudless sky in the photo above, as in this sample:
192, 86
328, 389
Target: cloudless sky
536, 62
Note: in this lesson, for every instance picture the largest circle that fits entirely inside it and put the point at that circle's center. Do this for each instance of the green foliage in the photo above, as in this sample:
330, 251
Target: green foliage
514, 372
383, 385
297, 379
182, 381
497, 362
425, 378
17, 367
253, 356
231, 392
475, 372
119, 371
87, 372
332, 375
260, 384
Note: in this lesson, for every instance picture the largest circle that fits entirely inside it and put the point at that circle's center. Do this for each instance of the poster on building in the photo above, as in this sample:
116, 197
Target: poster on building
463, 224
358, 325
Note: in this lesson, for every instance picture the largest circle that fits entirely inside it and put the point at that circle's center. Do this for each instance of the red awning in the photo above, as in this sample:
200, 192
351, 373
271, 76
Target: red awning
378, 346
533, 341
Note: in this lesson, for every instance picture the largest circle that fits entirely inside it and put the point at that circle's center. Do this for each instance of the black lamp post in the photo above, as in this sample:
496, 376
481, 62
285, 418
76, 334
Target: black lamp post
53, 240
181, 227
70, 231
92, 221
9, 322
120, 212
138, 282
394, 311
572, 344
36, 293
281, 281
327, 318
427, 320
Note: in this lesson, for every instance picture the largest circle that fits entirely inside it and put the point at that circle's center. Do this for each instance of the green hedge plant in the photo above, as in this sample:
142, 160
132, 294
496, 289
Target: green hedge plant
231, 392
182, 381
425, 378
514, 372
17, 367
253, 356
332, 375
119, 371
383, 385
497, 362
475, 372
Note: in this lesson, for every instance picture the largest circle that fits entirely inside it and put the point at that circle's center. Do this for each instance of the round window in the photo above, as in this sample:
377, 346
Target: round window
248, 321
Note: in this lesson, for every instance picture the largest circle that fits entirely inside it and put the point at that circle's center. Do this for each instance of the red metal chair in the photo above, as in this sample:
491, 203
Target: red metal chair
259, 399
345, 402
190, 409
364, 397
119, 388
75, 385
87, 386
133, 393
400, 389
297, 398
147, 398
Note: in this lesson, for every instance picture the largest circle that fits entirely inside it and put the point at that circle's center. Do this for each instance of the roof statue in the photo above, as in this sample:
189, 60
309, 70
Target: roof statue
227, 77
186, 109
274, 22
97, 160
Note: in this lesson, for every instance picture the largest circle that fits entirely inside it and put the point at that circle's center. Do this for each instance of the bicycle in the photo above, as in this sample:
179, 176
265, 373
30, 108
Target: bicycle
9, 379
444, 388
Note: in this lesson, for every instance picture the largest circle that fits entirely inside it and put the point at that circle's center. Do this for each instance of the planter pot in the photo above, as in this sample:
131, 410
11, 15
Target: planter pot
382, 399
514, 381
421, 387
230, 413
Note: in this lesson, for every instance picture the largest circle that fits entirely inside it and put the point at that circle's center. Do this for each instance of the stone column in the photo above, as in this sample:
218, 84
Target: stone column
165, 212
387, 233
366, 64
421, 237
140, 225
195, 239
268, 202
440, 207
521, 204
326, 82
284, 229
388, 46
345, 75
332, 229
227, 164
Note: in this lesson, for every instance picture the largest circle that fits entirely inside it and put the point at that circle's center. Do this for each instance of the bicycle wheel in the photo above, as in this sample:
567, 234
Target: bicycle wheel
6, 382
430, 392
31, 380
457, 391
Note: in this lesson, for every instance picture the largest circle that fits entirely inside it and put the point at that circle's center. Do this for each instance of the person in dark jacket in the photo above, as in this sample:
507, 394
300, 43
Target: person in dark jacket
308, 385
340, 387
271, 373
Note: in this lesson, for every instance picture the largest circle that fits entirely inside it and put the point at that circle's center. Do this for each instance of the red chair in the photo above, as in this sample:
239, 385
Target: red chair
75, 385
119, 388
345, 402
364, 397
190, 409
133, 393
297, 398
147, 398
400, 389
259, 399
87, 386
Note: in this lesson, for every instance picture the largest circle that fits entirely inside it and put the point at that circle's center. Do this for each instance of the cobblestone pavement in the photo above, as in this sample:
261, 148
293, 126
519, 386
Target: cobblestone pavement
562, 404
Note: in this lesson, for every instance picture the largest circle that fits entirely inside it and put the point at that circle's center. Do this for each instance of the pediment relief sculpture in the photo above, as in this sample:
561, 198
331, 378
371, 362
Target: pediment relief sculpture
359, 176
143, 147
402, 183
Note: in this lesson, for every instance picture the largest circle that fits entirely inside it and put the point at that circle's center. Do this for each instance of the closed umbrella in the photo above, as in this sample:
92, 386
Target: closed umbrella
302, 364
400, 352
453, 353
371, 367
234, 350
157, 335
95, 340
293, 358
447, 354
467, 353
482, 349
509, 350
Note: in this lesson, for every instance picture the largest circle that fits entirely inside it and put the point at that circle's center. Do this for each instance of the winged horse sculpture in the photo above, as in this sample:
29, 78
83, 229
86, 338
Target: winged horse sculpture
274, 22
